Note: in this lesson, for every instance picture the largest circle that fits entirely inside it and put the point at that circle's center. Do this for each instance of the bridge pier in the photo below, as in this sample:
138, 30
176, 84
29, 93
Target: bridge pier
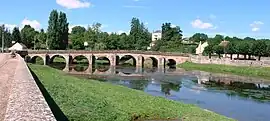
161, 62
68, 61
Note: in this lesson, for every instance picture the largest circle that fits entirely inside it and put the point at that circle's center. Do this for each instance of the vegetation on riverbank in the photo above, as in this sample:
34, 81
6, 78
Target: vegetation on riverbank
82, 99
262, 72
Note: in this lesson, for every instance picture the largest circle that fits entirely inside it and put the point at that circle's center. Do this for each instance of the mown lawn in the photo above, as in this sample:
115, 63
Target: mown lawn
262, 72
90, 100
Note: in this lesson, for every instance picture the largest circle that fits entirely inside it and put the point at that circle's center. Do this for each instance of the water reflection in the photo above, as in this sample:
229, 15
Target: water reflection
242, 98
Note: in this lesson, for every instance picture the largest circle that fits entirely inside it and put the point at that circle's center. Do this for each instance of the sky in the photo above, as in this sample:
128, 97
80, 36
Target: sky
227, 17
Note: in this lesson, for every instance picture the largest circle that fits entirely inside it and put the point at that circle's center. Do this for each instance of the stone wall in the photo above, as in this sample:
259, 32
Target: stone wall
227, 61
26, 101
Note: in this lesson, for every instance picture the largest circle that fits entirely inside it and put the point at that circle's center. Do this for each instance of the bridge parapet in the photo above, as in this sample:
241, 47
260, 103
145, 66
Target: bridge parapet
107, 51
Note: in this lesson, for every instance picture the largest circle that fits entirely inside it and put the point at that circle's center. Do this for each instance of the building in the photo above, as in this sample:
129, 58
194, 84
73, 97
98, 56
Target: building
156, 35
18, 47
200, 48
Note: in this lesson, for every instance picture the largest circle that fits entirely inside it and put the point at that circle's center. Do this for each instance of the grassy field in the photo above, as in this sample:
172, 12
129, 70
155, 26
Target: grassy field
90, 100
262, 72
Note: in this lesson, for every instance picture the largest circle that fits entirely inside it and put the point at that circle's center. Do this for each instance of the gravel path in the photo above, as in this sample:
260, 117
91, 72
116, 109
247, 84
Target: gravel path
7, 70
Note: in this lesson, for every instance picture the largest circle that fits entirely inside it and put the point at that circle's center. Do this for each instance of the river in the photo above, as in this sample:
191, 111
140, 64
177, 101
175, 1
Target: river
241, 98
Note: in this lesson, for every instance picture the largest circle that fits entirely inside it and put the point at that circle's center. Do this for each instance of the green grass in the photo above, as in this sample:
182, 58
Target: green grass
90, 100
262, 72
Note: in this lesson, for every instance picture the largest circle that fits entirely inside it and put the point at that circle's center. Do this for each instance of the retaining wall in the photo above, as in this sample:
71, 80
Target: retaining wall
227, 61
26, 101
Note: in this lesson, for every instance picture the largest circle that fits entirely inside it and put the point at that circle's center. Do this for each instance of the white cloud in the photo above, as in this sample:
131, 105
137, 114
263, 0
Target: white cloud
73, 4
10, 27
33, 23
255, 26
201, 25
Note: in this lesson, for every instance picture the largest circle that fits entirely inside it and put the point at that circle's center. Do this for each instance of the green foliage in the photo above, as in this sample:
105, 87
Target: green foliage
7, 36
197, 37
139, 36
63, 30
218, 50
41, 38
90, 100
16, 35
57, 33
28, 36
262, 72
171, 39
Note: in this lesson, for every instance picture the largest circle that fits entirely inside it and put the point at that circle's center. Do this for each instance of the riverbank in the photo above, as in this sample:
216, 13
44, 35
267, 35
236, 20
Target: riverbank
261, 72
84, 99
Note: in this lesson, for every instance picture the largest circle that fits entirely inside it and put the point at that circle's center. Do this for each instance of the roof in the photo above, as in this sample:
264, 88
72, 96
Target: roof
18, 46
224, 43
157, 31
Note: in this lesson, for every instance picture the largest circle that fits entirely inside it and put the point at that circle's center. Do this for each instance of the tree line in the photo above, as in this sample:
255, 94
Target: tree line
57, 37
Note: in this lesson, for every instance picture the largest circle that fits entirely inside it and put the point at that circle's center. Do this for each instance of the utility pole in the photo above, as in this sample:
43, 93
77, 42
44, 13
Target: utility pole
3, 42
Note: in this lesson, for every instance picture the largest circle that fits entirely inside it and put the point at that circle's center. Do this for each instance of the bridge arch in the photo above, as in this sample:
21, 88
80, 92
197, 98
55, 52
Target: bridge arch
104, 60
60, 63
80, 63
150, 60
171, 63
125, 58
38, 60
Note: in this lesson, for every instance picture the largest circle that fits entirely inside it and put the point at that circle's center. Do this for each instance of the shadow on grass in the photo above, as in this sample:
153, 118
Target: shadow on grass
58, 114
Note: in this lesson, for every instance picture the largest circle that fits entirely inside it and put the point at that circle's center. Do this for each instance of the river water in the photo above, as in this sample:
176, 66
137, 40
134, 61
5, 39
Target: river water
241, 98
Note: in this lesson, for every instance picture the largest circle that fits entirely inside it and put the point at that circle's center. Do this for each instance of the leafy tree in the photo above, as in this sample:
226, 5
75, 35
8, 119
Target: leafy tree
16, 35
171, 39
231, 48
197, 37
140, 38
41, 38
77, 37
7, 36
57, 33
259, 48
78, 30
219, 50
209, 50
53, 34
28, 36
63, 30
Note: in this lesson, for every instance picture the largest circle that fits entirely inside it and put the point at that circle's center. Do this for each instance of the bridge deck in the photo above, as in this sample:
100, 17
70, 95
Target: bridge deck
107, 51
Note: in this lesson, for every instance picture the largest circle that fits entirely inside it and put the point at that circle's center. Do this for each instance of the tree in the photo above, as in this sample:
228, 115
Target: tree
140, 38
219, 50
7, 36
197, 37
77, 37
53, 34
16, 35
41, 38
209, 50
78, 30
57, 33
259, 48
63, 30
171, 39
28, 36
231, 48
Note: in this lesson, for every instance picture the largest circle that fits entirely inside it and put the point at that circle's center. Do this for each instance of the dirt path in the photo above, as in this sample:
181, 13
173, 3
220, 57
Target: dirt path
7, 70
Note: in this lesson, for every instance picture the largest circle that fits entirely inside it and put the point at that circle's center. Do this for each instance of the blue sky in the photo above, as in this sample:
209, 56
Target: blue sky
228, 17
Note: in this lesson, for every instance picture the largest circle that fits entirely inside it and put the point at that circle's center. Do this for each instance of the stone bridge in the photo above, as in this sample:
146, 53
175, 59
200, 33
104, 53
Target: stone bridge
160, 59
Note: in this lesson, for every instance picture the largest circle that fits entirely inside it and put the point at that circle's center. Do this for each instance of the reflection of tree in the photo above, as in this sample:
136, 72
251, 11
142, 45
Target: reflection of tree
138, 84
241, 89
166, 88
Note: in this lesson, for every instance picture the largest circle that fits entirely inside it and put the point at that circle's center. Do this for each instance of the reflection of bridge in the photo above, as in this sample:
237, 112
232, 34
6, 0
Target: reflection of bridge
160, 59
